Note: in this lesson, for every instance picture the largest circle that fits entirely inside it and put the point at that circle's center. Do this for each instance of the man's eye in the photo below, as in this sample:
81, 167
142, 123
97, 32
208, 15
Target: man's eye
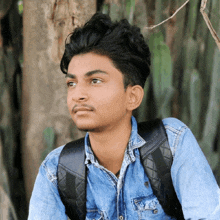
71, 84
96, 81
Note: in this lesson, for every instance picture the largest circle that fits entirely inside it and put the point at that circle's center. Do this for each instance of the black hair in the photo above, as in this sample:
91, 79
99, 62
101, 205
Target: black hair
121, 42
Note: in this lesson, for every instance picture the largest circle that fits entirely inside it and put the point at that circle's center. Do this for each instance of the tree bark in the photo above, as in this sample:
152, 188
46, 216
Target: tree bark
46, 25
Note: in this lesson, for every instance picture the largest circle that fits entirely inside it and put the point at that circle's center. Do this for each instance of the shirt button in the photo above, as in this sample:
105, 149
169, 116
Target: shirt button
121, 217
155, 211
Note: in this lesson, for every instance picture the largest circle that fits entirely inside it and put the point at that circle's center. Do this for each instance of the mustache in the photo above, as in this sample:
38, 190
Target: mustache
89, 107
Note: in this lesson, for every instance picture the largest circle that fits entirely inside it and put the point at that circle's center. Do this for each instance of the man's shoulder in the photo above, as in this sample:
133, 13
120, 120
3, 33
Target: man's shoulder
53, 156
174, 124
175, 130
50, 163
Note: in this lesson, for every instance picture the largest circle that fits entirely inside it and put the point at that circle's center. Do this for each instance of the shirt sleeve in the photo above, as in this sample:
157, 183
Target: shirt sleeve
193, 180
45, 201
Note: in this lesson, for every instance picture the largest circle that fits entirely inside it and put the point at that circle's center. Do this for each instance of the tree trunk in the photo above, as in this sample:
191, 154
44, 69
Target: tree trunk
46, 25
11, 181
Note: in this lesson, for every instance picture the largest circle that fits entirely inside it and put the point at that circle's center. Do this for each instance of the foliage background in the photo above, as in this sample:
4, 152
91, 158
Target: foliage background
184, 83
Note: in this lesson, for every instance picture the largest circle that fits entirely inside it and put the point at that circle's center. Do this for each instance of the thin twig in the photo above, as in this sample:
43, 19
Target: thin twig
151, 27
208, 22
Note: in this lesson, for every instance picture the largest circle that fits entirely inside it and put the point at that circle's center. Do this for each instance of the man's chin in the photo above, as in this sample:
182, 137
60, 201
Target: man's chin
85, 128
89, 129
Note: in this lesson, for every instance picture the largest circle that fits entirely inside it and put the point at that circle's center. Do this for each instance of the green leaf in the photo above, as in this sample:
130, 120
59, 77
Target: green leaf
195, 102
189, 59
161, 71
190, 54
165, 108
20, 6
115, 12
211, 156
142, 110
155, 40
130, 7
158, 12
192, 16
105, 9
212, 116
214, 101
49, 140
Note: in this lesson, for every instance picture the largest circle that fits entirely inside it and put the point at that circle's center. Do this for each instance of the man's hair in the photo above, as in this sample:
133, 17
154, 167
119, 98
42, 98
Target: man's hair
121, 42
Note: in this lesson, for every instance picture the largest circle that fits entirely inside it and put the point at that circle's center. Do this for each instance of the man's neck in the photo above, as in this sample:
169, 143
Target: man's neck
109, 146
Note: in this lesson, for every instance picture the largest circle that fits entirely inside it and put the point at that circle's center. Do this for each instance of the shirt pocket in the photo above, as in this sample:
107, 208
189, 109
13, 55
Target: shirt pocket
94, 214
148, 207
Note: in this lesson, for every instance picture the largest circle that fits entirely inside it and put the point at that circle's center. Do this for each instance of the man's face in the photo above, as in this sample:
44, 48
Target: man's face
96, 96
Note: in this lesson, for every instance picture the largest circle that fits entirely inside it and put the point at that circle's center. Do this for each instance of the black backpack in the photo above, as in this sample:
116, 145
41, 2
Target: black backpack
156, 158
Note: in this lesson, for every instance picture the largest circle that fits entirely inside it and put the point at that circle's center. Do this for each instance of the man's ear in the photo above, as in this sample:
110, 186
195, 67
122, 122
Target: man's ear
135, 95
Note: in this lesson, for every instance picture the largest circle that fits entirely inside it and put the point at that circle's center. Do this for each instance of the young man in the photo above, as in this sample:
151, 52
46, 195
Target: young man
106, 66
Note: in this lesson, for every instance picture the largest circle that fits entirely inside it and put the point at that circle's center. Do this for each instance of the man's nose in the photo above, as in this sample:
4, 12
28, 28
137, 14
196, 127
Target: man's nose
80, 93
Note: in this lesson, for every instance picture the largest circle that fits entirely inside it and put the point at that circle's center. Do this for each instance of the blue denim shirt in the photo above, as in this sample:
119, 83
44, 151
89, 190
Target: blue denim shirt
127, 197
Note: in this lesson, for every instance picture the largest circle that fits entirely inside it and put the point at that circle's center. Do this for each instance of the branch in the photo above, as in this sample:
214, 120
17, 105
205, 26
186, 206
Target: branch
151, 27
209, 24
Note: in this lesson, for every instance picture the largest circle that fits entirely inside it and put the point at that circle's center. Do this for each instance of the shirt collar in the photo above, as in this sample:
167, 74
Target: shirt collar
135, 141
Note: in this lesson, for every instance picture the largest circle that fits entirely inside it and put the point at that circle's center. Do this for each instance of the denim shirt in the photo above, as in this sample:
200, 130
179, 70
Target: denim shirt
129, 197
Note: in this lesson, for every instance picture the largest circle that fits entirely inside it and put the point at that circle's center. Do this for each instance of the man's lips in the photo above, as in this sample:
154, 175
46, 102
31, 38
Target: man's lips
77, 108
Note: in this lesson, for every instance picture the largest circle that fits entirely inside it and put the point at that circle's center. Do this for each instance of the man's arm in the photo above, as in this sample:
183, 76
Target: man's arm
192, 176
45, 201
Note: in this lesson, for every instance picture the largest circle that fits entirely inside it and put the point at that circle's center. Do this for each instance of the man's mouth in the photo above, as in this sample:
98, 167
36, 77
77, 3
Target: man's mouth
80, 108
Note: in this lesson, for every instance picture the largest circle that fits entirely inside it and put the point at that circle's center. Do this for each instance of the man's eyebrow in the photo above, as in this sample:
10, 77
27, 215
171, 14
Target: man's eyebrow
90, 73
69, 75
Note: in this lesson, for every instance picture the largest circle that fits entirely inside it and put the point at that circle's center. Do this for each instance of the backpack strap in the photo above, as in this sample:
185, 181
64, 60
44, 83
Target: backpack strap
157, 160
72, 179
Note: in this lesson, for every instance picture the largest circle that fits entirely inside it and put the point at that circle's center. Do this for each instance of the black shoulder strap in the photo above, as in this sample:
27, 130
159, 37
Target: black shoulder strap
71, 179
157, 159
